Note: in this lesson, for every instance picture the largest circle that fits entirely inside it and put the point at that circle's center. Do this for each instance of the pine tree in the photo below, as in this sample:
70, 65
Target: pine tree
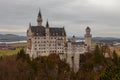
115, 57
98, 55
22, 55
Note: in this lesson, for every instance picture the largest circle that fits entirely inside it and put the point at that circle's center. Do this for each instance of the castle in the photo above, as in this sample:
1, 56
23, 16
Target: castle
45, 40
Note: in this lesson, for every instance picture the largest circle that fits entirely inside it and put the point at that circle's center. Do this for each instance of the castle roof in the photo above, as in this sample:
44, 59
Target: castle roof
40, 31
57, 31
78, 43
88, 28
39, 14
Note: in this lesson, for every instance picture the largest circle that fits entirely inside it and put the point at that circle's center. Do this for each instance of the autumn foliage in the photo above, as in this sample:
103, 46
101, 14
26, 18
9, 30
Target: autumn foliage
21, 67
95, 67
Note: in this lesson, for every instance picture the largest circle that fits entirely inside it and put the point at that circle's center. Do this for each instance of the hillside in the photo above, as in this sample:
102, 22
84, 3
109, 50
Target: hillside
101, 39
106, 39
11, 38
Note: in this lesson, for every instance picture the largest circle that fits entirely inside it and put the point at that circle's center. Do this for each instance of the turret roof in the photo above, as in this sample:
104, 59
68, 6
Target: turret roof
39, 14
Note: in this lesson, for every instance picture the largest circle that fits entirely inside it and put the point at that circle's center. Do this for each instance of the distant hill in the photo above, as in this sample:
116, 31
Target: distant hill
101, 39
106, 39
11, 38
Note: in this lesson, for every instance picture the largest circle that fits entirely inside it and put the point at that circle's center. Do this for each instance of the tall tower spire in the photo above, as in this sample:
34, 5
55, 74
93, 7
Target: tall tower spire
47, 24
39, 19
39, 14
47, 37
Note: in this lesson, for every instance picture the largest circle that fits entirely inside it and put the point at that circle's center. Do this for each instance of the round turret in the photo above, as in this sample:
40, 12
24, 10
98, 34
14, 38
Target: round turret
88, 38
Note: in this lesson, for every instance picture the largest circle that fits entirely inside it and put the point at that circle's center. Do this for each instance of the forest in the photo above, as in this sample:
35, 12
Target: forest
94, 67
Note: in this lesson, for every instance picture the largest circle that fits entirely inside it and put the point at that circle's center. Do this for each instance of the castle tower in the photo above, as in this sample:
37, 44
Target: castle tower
73, 39
47, 24
47, 28
39, 19
88, 38
47, 37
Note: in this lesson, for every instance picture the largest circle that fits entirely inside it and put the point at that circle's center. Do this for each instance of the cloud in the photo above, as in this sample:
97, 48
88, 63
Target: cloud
75, 15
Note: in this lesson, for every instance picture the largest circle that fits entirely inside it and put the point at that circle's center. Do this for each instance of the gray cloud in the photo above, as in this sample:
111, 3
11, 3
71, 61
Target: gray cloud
75, 15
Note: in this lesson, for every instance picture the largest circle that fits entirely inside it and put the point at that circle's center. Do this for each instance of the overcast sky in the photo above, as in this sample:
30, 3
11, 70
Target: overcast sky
102, 16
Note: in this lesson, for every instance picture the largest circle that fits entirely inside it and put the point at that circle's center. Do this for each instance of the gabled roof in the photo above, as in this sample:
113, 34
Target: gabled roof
57, 31
40, 31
